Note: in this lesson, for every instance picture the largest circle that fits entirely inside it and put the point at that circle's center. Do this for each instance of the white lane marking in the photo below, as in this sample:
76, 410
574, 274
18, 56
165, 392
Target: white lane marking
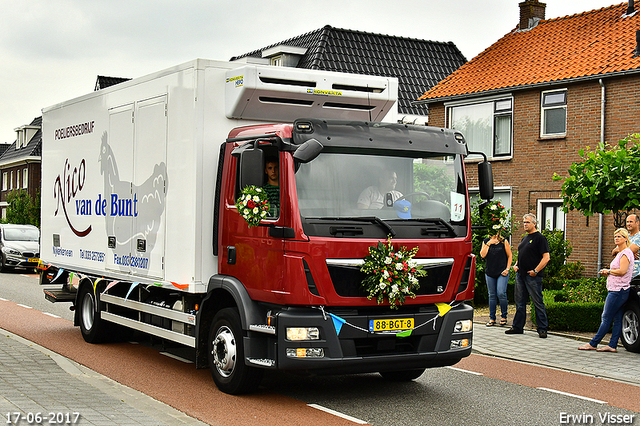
465, 371
179, 358
4, 300
25, 306
573, 395
338, 414
51, 315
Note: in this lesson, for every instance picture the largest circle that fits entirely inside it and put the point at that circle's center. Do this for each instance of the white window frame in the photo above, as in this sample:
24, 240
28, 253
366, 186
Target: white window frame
11, 179
25, 178
559, 215
4, 181
495, 101
552, 106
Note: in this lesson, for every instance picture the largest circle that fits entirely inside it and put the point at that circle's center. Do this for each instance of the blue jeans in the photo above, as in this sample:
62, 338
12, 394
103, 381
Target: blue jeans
529, 286
612, 312
497, 291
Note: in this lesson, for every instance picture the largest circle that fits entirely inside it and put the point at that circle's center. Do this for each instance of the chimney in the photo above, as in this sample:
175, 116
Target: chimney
531, 12
630, 8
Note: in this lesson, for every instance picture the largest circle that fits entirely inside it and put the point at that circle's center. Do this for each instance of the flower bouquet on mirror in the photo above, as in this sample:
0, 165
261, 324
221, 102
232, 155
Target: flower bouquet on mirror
495, 218
253, 205
391, 274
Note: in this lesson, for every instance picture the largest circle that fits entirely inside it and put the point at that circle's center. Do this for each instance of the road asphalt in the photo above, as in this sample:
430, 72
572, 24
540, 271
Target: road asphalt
38, 385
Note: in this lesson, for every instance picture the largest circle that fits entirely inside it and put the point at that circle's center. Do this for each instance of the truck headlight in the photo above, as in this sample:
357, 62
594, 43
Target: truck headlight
303, 333
463, 326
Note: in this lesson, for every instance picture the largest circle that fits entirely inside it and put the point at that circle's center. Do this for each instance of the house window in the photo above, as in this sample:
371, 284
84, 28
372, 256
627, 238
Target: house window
276, 61
554, 113
4, 181
486, 126
11, 180
17, 179
25, 178
551, 215
500, 194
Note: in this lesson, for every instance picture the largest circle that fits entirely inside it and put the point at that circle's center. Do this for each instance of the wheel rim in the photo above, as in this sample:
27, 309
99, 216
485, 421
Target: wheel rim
630, 327
224, 351
87, 312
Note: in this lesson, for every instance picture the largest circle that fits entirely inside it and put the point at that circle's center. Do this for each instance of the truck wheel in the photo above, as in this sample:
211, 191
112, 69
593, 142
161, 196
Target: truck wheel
226, 355
93, 328
402, 375
630, 328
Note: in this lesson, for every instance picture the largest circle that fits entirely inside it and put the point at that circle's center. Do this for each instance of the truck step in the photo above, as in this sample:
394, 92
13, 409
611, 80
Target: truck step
59, 296
263, 328
269, 363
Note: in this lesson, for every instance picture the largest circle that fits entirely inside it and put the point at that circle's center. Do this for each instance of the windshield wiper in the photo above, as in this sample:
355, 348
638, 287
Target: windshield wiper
436, 221
371, 219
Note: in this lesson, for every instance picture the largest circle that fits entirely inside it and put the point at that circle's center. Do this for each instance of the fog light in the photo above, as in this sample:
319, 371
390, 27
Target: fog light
463, 326
457, 344
303, 333
305, 352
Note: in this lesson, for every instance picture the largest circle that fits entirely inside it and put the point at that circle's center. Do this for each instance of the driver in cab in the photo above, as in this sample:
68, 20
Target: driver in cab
376, 197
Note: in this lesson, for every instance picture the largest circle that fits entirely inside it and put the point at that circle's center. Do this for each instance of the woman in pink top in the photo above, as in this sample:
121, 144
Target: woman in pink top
618, 278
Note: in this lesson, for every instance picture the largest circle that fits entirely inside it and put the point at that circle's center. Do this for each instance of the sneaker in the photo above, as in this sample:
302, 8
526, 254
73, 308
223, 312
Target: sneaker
542, 334
513, 331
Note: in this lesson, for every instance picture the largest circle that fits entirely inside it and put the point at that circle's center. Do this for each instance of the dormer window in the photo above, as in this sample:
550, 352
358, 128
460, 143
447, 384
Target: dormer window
24, 134
284, 56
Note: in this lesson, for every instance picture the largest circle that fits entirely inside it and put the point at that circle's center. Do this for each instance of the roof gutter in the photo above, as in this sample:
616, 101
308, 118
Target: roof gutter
602, 140
528, 86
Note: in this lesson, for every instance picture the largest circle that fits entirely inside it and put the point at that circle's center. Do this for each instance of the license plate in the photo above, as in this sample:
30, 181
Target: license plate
33, 260
396, 324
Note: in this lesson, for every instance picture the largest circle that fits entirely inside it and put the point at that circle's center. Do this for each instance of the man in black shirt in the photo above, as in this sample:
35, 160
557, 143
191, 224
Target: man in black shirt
533, 256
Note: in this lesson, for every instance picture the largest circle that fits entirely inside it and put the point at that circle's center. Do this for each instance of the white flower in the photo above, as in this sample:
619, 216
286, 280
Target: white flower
399, 266
385, 274
258, 189
256, 198
255, 210
494, 207
412, 264
496, 226
382, 286
387, 260
263, 213
413, 279
246, 212
394, 289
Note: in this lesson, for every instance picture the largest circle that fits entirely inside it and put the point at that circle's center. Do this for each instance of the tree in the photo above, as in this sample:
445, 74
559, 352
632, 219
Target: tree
23, 209
607, 179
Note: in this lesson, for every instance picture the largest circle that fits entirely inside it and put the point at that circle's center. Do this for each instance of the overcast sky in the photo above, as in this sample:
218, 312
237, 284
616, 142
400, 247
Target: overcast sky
52, 50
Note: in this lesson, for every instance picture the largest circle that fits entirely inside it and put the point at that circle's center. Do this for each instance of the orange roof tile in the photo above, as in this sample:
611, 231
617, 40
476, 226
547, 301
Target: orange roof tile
588, 44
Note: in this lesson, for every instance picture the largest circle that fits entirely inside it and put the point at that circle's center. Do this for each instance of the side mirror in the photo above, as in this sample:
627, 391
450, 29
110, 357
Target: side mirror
307, 151
485, 180
251, 167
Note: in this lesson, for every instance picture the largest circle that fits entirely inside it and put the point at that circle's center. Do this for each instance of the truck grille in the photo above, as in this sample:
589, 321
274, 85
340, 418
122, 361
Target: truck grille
347, 280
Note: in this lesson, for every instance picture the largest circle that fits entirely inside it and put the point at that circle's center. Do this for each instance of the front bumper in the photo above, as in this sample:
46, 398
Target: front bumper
14, 261
350, 347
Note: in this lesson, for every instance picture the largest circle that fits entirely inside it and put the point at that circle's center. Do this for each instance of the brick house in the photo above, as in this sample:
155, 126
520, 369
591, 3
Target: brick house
20, 163
418, 64
537, 96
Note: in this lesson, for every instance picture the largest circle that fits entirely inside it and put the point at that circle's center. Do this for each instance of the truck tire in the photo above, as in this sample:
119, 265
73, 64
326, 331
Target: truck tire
631, 328
402, 375
93, 328
226, 355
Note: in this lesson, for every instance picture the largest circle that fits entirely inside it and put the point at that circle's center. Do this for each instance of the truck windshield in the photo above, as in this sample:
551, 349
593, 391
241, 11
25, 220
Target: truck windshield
369, 195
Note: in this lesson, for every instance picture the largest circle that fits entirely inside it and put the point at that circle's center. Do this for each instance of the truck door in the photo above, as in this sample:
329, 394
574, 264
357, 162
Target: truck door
116, 166
149, 188
135, 182
254, 255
